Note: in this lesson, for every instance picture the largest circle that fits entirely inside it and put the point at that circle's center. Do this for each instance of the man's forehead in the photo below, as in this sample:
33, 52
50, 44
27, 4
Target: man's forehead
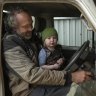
23, 16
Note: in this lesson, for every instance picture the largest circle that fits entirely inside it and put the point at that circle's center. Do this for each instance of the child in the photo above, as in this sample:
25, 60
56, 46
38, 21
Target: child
50, 56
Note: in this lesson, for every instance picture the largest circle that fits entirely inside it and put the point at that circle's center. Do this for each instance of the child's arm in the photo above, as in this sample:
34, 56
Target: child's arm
51, 67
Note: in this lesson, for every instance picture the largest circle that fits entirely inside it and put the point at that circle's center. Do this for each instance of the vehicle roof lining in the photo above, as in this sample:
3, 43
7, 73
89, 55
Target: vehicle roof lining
51, 9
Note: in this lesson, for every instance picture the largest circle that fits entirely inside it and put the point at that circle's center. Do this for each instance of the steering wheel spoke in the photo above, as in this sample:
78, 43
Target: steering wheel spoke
76, 55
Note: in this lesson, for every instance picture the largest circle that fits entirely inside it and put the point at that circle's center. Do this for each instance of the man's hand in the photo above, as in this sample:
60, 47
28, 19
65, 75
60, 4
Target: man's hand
81, 76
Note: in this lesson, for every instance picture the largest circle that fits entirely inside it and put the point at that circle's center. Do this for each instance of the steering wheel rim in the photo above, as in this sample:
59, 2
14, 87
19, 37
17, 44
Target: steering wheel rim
77, 54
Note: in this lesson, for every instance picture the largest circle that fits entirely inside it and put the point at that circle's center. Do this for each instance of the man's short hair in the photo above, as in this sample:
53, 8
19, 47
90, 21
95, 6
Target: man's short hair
10, 21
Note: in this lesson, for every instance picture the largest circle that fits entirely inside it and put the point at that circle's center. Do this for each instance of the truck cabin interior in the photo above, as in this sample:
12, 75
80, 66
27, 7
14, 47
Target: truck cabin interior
44, 14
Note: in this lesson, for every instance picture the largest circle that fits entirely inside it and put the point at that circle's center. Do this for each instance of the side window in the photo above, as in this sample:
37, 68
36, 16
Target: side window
72, 31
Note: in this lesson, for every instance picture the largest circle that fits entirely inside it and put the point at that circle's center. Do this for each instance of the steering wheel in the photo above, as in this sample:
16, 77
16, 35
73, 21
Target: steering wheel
76, 55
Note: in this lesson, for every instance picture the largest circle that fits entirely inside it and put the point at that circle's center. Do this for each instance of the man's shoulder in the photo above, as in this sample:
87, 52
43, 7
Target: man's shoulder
9, 41
9, 36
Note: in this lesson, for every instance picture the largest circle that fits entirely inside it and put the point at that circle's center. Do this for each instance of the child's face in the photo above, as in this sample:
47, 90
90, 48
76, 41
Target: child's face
50, 42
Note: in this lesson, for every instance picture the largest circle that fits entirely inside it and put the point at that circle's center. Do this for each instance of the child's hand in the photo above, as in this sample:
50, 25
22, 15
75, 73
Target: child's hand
60, 61
56, 66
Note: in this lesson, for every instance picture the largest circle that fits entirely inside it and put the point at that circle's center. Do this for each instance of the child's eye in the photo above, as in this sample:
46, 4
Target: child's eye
54, 37
48, 38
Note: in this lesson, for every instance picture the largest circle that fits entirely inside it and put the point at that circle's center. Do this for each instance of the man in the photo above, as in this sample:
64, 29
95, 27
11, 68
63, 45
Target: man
20, 54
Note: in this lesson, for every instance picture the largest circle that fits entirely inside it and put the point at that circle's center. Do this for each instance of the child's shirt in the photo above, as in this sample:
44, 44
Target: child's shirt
50, 57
